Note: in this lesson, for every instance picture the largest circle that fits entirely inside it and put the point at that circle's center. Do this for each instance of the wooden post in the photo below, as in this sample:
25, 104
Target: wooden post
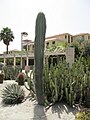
14, 60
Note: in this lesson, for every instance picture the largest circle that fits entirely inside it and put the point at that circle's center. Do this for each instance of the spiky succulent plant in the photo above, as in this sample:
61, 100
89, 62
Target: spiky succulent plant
21, 78
12, 94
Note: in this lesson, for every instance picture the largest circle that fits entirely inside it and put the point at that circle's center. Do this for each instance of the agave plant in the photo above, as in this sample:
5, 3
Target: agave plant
12, 94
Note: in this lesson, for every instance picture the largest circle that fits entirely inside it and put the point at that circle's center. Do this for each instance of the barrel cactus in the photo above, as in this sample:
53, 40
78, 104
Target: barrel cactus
40, 30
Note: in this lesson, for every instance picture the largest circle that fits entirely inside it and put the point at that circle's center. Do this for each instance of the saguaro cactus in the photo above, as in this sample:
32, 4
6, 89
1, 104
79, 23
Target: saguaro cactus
40, 30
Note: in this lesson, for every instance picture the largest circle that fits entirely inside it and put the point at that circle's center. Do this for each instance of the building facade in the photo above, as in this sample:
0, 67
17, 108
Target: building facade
82, 36
57, 39
28, 48
28, 45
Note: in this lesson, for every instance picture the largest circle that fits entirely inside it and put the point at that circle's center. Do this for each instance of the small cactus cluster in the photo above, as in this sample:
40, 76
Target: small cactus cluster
21, 78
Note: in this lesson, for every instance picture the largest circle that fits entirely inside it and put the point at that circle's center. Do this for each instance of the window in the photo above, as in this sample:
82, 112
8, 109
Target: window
71, 39
68, 37
47, 45
65, 36
89, 37
68, 40
53, 42
33, 46
82, 37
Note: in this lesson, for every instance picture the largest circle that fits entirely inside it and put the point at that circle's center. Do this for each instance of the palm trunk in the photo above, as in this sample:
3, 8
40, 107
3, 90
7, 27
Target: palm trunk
7, 49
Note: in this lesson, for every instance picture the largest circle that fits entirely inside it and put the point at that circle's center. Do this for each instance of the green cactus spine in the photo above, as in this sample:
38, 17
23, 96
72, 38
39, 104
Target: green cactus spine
66, 94
40, 30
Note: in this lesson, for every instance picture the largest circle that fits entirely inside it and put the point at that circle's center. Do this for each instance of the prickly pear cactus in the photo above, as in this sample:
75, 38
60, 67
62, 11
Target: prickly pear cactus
40, 30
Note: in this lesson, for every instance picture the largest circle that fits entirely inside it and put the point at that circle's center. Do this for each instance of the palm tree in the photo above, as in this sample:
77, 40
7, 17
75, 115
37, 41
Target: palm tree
7, 36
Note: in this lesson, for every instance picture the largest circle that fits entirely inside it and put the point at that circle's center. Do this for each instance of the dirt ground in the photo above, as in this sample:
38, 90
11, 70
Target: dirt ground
30, 110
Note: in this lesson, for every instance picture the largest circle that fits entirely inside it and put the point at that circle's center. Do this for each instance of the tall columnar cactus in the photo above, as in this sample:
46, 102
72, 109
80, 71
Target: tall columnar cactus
40, 30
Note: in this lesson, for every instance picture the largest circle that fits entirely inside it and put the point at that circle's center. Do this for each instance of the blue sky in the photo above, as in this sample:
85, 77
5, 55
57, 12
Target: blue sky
62, 16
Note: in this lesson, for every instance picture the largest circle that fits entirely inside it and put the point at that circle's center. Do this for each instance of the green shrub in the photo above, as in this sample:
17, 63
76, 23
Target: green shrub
12, 94
6, 72
1, 77
14, 71
87, 97
83, 115
30, 84
10, 72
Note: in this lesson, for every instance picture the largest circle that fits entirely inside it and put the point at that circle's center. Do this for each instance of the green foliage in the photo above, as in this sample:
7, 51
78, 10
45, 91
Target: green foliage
1, 77
70, 84
10, 72
86, 48
83, 115
9, 61
12, 94
63, 44
26, 76
82, 47
30, 84
87, 96
78, 51
40, 30
15, 72
5, 69
54, 83
61, 47
18, 61
1, 60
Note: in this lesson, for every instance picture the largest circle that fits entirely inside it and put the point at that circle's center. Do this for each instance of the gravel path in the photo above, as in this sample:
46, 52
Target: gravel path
30, 110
